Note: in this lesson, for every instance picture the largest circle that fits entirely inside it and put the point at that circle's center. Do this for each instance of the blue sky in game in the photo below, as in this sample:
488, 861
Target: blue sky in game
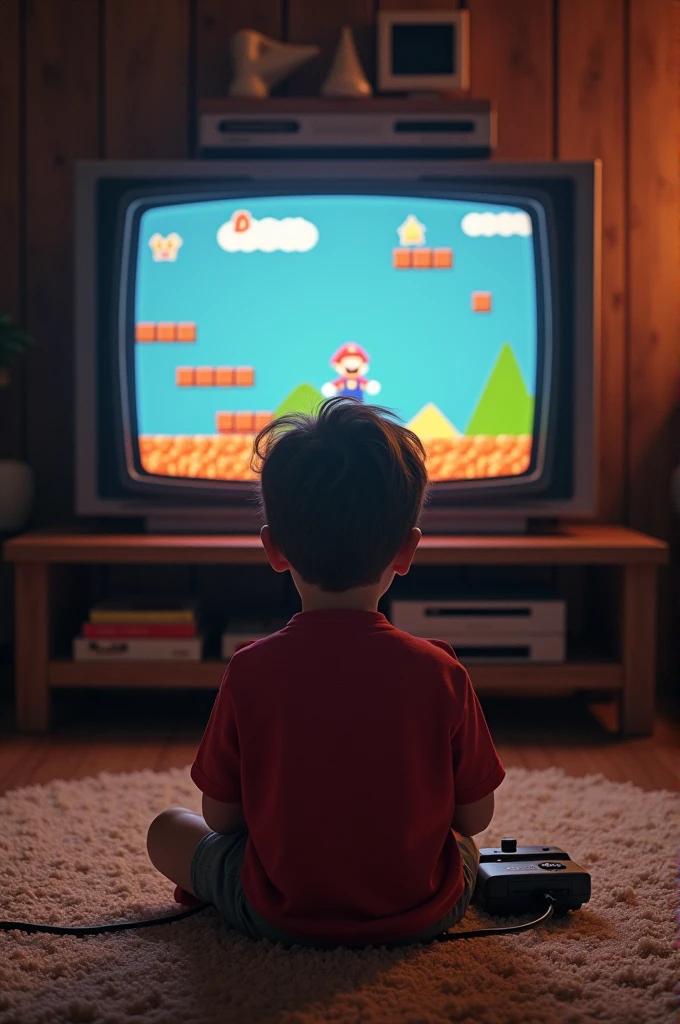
285, 313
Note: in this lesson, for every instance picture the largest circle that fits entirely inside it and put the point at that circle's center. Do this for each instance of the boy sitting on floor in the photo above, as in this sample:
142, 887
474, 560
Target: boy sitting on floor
346, 764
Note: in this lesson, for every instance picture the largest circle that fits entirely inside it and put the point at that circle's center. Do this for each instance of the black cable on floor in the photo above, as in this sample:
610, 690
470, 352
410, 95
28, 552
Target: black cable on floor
96, 929
54, 929
505, 930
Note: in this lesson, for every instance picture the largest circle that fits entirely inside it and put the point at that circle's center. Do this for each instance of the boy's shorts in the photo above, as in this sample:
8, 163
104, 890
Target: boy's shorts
216, 878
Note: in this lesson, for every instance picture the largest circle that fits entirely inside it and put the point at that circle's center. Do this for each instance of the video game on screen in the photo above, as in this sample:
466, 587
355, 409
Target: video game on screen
248, 310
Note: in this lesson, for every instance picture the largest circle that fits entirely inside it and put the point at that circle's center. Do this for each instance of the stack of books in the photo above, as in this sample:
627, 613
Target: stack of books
140, 629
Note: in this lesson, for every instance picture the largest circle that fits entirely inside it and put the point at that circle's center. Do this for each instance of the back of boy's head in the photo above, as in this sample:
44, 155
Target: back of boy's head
340, 490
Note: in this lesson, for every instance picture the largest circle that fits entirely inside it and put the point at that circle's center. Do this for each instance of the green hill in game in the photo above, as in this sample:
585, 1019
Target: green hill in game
304, 398
505, 405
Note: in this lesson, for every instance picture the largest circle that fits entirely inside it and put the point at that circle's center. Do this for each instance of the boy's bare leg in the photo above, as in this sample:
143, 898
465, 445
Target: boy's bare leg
171, 841
459, 836
469, 842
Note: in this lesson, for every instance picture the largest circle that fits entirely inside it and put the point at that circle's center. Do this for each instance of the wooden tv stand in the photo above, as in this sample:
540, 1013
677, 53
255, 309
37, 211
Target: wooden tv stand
38, 555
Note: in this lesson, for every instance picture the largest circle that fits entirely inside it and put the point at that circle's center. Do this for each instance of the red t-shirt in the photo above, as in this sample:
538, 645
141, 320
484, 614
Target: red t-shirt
350, 744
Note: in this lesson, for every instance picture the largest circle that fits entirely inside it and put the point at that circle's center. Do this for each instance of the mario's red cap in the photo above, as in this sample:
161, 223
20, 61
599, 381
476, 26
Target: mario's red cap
350, 348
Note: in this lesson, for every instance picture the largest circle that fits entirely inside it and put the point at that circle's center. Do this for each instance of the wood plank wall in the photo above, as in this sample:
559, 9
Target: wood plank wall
571, 78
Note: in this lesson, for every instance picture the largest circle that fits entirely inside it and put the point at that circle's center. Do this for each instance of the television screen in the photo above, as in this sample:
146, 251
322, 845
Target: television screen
426, 49
244, 309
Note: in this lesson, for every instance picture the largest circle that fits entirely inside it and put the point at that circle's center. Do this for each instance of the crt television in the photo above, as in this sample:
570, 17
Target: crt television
213, 297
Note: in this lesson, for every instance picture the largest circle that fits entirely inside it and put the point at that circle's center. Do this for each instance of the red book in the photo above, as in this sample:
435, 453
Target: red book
139, 629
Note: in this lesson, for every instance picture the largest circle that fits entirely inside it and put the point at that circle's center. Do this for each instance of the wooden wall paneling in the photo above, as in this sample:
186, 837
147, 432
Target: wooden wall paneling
321, 23
654, 369
410, 5
591, 124
511, 62
674, 570
216, 22
11, 440
147, 88
61, 125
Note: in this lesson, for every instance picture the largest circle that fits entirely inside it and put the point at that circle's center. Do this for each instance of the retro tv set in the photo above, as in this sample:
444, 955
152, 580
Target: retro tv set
213, 297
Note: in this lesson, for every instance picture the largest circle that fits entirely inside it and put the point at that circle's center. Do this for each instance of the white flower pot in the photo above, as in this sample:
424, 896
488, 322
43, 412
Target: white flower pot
16, 494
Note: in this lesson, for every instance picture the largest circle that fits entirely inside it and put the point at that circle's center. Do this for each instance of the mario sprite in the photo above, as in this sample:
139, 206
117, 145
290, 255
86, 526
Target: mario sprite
350, 362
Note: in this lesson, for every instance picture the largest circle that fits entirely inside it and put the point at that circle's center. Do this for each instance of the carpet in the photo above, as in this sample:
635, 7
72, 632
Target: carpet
73, 852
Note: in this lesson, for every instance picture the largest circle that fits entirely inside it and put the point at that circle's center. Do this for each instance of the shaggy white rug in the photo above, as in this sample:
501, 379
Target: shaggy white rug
74, 853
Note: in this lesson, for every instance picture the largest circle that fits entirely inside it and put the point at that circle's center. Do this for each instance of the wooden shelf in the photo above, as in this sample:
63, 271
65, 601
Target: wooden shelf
632, 678
458, 103
199, 675
545, 680
571, 545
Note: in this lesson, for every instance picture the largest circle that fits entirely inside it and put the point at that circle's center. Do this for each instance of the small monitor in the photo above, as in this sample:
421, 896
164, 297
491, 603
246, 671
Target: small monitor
423, 50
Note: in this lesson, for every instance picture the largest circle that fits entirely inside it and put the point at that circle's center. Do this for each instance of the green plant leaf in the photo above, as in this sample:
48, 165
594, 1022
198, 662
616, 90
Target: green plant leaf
13, 341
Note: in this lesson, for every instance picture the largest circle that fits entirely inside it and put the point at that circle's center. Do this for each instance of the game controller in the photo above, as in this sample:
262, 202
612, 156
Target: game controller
513, 879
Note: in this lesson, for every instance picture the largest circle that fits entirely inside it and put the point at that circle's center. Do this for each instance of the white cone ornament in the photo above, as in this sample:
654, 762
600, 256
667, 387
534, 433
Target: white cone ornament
346, 77
259, 63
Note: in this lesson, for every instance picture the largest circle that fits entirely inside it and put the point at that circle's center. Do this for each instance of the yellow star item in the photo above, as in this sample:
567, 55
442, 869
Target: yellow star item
411, 232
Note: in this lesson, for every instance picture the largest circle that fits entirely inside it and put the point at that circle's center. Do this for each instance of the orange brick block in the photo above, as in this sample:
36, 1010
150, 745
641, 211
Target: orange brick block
224, 376
401, 259
262, 419
481, 302
166, 331
185, 376
205, 376
224, 422
223, 456
442, 258
186, 332
244, 422
145, 332
245, 377
422, 258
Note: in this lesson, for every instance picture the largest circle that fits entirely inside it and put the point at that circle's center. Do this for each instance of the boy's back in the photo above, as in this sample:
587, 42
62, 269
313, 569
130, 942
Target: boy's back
341, 754
350, 744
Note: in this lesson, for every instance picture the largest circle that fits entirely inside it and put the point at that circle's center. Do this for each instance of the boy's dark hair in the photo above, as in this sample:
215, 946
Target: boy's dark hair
340, 490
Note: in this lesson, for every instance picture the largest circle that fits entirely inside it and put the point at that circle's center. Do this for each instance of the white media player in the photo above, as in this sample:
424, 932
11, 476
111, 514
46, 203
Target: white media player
486, 630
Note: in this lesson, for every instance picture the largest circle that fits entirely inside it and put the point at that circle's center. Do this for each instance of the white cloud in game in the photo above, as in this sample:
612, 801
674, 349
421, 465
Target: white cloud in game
489, 224
244, 233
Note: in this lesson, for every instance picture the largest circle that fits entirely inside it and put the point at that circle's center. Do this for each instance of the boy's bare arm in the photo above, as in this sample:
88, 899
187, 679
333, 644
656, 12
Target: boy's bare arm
470, 819
222, 817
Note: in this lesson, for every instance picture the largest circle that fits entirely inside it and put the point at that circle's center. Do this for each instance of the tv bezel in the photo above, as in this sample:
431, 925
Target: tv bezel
394, 177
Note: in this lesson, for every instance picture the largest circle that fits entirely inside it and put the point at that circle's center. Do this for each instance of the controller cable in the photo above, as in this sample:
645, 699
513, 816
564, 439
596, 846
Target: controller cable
506, 929
53, 929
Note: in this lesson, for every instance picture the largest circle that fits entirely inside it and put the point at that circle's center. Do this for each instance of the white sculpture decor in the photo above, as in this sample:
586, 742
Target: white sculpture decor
259, 63
346, 77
